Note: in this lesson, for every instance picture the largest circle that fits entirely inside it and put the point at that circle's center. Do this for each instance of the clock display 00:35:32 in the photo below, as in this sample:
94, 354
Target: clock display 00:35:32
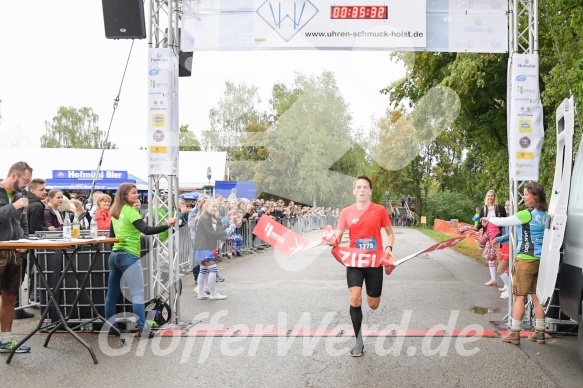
358, 11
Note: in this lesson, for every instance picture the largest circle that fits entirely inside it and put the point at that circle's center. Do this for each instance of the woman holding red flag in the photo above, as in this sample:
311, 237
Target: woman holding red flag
491, 208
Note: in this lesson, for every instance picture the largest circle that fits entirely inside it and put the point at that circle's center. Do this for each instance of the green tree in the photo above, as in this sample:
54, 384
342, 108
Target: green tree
74, 128
353, 162
421, 143
561, 23
230, 119
311, 133
249, 149
252, 150
447, 205
471, 156
188, 140
389, 144
479, 80
210, 141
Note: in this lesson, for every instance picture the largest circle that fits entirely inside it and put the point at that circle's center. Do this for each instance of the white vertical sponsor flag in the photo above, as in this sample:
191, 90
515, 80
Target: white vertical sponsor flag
162, 112
525, 130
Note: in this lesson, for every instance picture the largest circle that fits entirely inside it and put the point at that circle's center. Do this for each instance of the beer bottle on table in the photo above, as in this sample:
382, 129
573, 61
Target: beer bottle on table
67, 228
93, 228
76, 227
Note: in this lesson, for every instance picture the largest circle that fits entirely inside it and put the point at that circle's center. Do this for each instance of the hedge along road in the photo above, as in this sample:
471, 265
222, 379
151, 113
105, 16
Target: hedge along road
286, 323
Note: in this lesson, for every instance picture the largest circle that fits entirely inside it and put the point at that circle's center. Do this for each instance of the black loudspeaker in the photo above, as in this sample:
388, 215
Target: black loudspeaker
124, 19
185, 64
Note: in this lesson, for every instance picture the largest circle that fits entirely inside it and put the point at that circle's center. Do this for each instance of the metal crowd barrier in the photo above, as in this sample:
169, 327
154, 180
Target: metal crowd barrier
305, 224
250, 243
185, 250
247, 235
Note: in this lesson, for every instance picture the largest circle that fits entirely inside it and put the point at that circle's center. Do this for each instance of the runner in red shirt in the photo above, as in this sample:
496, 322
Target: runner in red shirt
364, 221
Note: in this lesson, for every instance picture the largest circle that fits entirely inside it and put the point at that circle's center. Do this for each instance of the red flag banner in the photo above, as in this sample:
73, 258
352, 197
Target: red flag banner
289, 243
441, 245
328, 235
281, 238
361, 258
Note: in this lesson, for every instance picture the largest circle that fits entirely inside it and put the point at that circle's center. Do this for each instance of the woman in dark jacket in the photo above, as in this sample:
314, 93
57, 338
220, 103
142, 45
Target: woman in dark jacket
498, 209
205, 242
53, 217
491, 208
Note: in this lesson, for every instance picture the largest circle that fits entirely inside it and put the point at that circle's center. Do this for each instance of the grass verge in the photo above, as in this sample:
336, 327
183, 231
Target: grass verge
465, 249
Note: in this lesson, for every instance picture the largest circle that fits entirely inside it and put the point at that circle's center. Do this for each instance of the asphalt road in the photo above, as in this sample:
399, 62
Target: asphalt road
255, 337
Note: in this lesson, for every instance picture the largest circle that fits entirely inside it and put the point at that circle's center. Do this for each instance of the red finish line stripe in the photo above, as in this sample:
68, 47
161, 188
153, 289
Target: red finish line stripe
377, 333
320, 333
369, 333
209, 333
473, 333
170, 333
315, 333
262, 333
419, 333
338, 333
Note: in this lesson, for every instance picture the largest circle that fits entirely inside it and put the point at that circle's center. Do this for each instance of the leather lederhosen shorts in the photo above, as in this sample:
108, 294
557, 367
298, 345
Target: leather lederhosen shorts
10, 271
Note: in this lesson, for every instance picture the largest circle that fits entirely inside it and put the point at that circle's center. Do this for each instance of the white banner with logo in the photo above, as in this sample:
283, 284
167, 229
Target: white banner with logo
307, 24
525, 129
415, 25
163, 131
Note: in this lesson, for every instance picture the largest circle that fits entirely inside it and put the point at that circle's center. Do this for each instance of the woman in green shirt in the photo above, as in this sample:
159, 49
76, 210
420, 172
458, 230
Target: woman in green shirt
124, 260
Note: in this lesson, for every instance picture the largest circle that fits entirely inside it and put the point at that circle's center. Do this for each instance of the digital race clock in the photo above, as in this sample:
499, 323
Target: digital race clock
359, 12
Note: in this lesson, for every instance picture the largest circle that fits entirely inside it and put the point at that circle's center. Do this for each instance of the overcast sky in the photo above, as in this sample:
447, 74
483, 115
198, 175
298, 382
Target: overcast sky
55, 54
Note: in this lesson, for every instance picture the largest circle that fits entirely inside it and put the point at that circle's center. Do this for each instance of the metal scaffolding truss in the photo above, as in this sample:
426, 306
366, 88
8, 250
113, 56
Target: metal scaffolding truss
523, 39
164, 24
163, 255
163, 32
524, 26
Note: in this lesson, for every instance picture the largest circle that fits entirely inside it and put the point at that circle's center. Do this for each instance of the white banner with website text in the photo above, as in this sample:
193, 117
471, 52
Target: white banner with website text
312, 24
525, 130
416, 25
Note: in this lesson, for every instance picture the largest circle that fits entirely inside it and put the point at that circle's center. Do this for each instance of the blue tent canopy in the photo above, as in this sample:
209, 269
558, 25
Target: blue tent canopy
243, 189
190, 196
139, 181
